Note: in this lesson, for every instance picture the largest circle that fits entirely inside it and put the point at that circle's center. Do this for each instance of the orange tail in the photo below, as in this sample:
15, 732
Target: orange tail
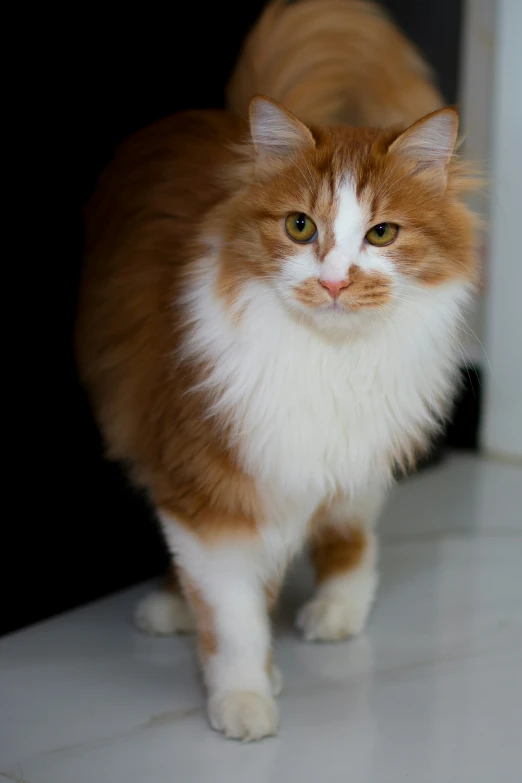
333, 61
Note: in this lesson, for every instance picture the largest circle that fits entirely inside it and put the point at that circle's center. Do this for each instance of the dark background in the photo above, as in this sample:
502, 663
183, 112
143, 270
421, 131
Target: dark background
78, 531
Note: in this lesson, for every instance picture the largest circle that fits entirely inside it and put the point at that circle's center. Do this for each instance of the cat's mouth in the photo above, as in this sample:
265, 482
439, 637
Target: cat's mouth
368, 290
334, 306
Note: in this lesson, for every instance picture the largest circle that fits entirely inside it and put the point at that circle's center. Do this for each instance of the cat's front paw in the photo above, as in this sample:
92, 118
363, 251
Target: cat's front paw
243, 715
332, 619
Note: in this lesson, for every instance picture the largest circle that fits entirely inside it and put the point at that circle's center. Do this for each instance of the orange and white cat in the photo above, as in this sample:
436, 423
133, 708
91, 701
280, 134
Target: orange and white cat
266, 330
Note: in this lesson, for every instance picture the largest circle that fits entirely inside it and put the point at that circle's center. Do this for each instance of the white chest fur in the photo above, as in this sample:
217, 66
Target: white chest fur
312, 415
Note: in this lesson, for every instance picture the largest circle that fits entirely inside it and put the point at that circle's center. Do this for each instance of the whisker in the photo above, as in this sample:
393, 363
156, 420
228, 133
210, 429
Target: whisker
463, 324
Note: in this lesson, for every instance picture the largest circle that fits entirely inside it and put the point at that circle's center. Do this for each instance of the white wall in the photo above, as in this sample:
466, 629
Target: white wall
475, 103
502, 429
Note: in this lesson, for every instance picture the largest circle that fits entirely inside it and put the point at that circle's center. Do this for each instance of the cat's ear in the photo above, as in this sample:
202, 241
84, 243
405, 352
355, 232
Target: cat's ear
430, 142
276, 132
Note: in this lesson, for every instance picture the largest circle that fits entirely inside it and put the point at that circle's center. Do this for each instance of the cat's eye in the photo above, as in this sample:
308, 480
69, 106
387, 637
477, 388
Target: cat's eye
382, 234
300, 227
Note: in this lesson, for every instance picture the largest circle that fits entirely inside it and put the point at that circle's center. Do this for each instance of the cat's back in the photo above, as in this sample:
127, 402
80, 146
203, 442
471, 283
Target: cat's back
169, 171
141, 234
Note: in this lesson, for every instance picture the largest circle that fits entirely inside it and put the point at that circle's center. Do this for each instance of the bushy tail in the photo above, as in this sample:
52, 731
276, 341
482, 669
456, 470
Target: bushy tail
333, 61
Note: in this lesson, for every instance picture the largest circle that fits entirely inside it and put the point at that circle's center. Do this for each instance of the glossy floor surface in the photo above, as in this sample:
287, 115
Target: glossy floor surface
432, 693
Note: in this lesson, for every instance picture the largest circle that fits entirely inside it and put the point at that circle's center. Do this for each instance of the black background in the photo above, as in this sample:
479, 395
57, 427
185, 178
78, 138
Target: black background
75, 531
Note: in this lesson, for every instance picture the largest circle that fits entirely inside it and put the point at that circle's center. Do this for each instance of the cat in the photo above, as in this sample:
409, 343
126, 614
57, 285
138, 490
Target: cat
334, 62
267, 330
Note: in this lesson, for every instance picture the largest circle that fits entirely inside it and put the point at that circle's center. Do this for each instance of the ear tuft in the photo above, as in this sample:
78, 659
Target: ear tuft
276, 132
429, 141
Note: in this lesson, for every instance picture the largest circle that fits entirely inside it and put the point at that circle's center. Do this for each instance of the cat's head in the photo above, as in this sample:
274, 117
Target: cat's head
344, 222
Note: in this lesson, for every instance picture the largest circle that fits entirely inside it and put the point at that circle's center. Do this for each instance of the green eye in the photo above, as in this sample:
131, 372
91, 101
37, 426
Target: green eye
300, 227
382, 234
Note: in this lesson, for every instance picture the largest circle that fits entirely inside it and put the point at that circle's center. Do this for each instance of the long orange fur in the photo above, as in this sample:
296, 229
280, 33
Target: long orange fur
195, 175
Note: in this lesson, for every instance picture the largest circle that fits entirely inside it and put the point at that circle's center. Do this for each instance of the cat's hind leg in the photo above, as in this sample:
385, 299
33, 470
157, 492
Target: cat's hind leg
165, 610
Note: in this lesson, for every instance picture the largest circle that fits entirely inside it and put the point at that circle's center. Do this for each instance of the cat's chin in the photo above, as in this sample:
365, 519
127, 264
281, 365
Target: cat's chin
338, 321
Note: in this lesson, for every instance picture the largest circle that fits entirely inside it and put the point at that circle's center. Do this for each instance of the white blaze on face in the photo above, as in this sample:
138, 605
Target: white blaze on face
350, 227
349, 230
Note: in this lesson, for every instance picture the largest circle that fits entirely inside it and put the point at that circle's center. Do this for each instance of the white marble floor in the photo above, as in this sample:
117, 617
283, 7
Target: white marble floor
431, 694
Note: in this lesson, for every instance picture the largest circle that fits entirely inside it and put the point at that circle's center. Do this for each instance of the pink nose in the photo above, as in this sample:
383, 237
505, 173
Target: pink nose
334, 287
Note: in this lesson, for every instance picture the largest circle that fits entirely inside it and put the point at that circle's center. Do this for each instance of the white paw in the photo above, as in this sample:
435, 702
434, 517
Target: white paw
332, 619
243, 715
162, 612
276, 680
